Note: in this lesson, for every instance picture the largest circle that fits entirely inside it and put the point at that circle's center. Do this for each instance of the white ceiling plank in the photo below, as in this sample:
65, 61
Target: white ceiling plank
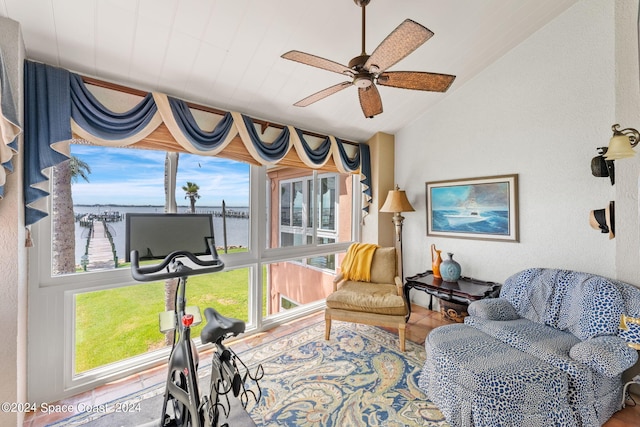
223, 25
193, 16
115, 36
160, 12
206, 67
149, 51
76, 34
181, 54
227, 53
38, 26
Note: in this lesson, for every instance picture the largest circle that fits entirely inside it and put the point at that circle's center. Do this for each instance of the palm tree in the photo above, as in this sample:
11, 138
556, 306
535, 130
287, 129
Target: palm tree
79, 168
64, 241
191, 190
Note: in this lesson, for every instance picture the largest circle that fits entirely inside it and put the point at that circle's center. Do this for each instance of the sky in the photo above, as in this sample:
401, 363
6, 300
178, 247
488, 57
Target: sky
124, 176
491, 195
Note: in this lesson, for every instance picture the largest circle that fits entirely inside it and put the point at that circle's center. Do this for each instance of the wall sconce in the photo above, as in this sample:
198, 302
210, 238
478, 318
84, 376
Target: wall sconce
621, 143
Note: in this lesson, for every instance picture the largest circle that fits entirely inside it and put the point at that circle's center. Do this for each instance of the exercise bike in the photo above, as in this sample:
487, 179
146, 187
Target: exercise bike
183, 405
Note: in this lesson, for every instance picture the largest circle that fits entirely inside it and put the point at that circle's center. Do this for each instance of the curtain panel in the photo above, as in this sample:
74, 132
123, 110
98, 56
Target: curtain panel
58, 105
9, 126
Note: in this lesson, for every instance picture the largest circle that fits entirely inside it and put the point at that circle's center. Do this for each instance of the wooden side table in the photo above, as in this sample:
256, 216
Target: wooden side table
455, 295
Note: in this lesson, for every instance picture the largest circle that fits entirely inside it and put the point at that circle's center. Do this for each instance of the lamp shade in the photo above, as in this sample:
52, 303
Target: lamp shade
619, 148
396, 202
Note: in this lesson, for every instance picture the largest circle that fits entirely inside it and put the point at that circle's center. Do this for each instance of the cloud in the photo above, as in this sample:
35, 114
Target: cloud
136, 177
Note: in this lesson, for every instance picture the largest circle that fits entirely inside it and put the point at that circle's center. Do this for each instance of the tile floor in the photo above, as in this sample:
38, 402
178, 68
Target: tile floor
421, 322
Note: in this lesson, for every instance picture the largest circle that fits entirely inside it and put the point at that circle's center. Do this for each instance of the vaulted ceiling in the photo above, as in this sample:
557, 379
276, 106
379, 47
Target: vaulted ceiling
226, 53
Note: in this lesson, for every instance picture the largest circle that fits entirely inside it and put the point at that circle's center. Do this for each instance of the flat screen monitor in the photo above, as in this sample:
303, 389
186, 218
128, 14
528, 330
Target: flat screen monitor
155, 236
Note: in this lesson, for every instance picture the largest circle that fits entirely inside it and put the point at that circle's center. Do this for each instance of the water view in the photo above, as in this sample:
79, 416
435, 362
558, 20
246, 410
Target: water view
237, 224
479, 221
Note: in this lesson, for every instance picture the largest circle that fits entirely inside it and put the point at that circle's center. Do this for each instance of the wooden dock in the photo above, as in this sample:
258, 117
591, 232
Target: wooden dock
100, 253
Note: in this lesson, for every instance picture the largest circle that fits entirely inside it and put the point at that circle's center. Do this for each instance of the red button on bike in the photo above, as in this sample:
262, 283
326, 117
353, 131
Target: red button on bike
187, 319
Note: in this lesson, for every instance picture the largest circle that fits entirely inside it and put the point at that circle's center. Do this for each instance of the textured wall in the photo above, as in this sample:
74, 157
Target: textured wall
627, 170
627, 113
540, 111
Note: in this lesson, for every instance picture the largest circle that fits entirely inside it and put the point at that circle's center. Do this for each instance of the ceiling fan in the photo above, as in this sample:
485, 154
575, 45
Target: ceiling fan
367, 70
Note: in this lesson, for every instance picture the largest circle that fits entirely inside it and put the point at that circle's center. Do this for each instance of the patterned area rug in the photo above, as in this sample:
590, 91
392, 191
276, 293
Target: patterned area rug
358, 378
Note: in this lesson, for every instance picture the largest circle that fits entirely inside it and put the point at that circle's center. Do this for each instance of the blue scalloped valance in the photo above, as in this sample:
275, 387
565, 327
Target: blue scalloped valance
58, 102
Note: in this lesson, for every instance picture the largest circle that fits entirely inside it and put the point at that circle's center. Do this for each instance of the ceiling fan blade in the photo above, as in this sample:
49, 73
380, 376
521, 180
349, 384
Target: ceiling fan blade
370, 101
322, 94
406, 38
316, 61
416, 80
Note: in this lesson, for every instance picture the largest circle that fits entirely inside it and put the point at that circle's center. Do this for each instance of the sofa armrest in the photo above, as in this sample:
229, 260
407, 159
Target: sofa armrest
609, 355
493, 309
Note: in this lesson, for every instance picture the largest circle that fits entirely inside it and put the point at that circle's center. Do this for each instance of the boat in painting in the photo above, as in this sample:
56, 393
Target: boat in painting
465, 218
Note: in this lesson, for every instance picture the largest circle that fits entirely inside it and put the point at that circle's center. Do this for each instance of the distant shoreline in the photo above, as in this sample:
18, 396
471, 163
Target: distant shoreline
99, 205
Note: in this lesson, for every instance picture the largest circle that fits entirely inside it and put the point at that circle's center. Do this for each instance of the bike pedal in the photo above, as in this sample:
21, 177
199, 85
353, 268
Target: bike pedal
169, 422
236, 384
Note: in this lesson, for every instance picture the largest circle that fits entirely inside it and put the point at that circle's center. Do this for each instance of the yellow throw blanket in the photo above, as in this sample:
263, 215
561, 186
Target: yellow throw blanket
356, 265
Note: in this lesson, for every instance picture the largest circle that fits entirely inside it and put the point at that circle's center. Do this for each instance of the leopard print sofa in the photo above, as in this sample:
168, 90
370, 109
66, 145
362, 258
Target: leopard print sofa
548, 351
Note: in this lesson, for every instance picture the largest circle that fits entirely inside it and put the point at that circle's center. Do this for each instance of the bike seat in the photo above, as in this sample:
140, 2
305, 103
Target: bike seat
219, 327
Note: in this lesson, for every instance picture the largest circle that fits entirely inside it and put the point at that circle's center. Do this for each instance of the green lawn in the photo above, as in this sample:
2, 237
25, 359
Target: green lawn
116, 324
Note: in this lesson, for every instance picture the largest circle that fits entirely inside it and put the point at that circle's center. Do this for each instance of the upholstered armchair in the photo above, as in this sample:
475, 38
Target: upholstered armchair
378, 301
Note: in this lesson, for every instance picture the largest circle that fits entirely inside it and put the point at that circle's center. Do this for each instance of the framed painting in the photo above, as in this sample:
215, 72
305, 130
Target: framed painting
483, 208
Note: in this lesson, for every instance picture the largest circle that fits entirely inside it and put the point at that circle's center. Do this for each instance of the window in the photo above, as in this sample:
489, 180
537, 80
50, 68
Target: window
134, 327
223, 190
91, 195
327, 204
298, 211
107, 183
99, 187
306, 217
311, 215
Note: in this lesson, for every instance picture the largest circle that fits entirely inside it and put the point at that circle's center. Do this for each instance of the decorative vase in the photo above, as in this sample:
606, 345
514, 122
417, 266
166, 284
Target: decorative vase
450, 270
436, 260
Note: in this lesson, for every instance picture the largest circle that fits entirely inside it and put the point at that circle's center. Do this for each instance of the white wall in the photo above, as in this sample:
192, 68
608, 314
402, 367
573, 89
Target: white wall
540, 112
627, 113
13, 266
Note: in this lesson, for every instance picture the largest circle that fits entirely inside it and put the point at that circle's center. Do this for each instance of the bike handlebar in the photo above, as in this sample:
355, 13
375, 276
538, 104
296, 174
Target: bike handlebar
146, 274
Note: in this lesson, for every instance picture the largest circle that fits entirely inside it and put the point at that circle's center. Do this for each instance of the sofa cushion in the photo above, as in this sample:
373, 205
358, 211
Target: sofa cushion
530, 292
590, 306
544, 342
493, 309
380, 298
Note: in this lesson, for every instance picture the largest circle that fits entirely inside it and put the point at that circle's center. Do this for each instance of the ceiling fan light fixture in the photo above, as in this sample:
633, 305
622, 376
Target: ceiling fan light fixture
363, 80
